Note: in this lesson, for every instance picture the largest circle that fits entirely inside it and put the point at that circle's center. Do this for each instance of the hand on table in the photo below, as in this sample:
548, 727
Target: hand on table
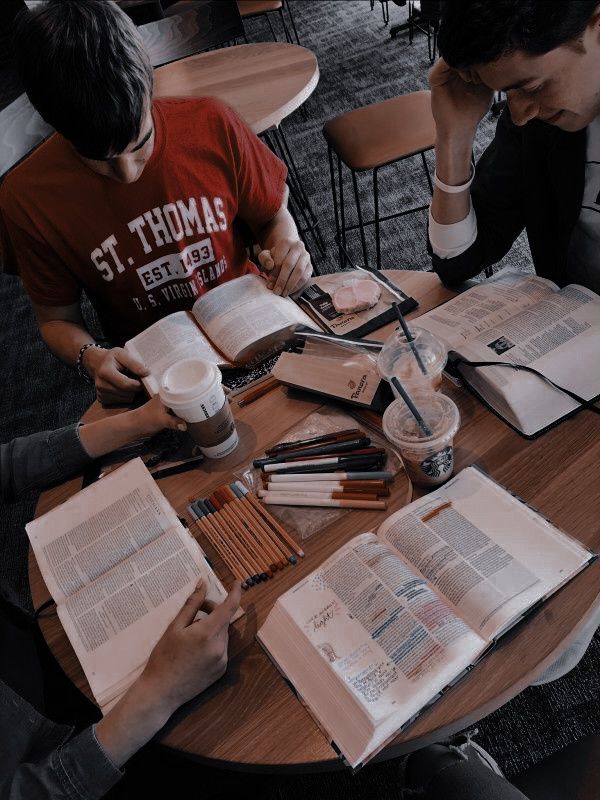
459, 101
288, 266
191, 655
109, 369
186, 660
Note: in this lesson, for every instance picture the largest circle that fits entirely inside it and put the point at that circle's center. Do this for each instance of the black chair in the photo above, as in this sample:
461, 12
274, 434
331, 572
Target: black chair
202, 25
250, 9
424, 17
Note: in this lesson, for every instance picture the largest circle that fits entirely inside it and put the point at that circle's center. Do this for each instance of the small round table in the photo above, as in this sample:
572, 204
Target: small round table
264, 83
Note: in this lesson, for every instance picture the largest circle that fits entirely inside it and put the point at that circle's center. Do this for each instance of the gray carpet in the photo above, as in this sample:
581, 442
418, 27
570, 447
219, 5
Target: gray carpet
359, 64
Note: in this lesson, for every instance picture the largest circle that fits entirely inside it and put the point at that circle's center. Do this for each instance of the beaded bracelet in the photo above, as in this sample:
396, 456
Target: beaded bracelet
79, 363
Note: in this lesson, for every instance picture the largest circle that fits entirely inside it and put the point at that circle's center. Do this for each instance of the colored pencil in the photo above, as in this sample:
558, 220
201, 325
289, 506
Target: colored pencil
281, 499
335, 436
435, 511
269, 530
261, 390
334, 475
277, 561
282, 551
270, 519
256, 572
253, 554
222, 549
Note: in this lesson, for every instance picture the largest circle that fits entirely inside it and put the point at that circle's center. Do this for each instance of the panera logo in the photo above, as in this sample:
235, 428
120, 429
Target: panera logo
361, 385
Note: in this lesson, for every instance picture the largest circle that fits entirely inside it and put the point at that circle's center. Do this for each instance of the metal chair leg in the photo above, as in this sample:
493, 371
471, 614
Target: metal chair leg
342, 212
291, 16
289, 159
377, 231
266, 16
287, 35
335, 206
360, 218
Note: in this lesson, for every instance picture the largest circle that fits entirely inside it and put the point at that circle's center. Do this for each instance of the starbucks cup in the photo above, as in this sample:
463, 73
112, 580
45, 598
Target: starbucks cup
402, 359
192, 389
429, 460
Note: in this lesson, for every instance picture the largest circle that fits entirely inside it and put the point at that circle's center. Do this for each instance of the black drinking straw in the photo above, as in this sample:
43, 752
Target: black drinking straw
412, 407
409, 338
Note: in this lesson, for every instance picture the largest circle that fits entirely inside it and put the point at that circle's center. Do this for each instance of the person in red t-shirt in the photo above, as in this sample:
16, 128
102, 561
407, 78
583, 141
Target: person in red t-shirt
141, 203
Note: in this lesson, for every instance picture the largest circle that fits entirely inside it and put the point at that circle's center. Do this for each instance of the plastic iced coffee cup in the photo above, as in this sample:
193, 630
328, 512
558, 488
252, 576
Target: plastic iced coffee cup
397, 360
192, 389
429, 460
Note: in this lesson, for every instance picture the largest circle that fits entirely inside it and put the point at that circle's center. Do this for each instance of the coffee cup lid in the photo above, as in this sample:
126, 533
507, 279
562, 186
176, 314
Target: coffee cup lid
188, 380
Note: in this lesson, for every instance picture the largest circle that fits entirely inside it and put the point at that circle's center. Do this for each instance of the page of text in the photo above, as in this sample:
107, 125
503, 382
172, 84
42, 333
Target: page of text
170, 340
243, 311
490, 577
389, 638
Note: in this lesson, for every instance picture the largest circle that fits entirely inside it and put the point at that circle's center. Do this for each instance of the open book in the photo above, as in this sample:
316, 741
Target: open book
524, 319
119, 565
393, 619
235, 323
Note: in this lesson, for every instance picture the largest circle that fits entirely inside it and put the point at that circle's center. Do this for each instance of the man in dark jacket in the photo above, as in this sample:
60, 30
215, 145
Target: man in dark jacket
541, 172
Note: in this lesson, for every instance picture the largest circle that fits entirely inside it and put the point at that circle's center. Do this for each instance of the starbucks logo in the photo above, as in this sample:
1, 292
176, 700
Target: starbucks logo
439, 463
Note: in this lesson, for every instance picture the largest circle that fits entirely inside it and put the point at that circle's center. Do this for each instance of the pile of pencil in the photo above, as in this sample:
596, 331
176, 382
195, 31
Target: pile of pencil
248, 539
340, 469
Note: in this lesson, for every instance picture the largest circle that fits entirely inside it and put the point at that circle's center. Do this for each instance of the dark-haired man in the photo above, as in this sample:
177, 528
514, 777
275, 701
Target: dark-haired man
140, 203
541, 172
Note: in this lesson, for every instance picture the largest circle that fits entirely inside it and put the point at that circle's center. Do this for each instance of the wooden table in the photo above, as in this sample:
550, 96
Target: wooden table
250, 718
264, 83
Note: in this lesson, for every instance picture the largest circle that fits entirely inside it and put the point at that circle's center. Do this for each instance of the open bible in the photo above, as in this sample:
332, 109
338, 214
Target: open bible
392, 620
236, 323
523, 320
119, 565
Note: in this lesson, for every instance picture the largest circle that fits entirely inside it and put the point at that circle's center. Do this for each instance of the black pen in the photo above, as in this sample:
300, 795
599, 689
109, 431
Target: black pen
177, 468
307, 452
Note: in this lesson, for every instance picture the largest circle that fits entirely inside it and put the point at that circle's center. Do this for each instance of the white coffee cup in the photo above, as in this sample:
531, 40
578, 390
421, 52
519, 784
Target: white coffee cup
192, 389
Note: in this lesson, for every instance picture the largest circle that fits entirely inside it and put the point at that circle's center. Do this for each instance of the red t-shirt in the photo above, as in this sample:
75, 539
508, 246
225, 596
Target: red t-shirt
145, 249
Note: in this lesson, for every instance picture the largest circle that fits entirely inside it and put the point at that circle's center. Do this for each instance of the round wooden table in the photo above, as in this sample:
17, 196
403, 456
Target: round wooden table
264, 83
250, 719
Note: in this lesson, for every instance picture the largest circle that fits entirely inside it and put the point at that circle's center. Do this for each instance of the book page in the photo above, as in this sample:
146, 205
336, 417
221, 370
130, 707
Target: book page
480, 547
528, 321
367, 644
244, 319
170, 340
120, 565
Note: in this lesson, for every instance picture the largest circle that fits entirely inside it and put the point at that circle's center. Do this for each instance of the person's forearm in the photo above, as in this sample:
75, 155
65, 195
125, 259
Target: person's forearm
65, 338
453, 167
131, 723
106, 435
281, 227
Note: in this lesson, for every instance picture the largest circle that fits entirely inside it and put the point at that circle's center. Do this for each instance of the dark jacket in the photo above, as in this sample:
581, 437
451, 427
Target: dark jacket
40, 760
529, 177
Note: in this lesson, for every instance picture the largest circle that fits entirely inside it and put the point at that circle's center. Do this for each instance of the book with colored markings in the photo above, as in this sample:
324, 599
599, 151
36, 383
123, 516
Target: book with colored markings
394, 618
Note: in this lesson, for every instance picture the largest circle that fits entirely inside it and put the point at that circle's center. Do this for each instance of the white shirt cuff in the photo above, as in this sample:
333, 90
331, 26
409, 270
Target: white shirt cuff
448, 241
